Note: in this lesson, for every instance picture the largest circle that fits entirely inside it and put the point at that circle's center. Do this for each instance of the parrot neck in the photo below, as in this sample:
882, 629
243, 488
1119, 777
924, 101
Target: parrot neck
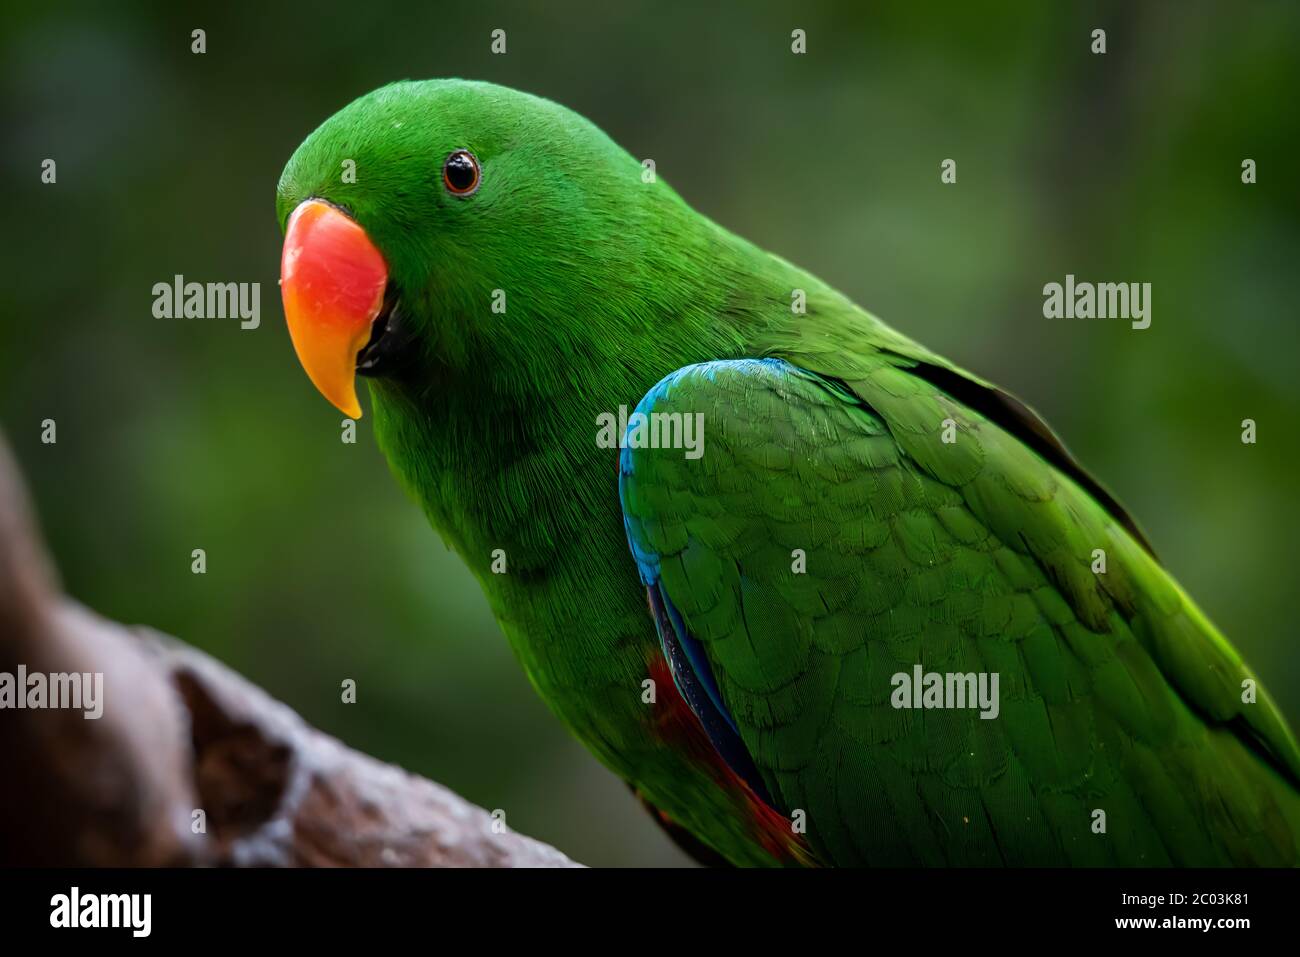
506, 454
530, 478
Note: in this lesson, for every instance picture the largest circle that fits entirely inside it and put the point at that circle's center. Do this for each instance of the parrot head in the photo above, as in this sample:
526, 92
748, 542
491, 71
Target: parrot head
419, 214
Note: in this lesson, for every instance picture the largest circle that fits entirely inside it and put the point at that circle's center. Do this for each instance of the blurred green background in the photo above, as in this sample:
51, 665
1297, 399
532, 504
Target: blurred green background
183, 434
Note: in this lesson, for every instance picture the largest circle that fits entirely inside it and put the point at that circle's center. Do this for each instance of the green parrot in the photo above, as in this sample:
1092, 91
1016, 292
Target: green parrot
819, 596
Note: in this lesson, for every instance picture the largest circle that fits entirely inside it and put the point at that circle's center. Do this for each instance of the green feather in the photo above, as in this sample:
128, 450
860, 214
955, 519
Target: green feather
1116, 694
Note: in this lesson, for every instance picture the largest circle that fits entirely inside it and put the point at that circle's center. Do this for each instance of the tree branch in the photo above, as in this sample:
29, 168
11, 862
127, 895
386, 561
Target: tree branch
181, 733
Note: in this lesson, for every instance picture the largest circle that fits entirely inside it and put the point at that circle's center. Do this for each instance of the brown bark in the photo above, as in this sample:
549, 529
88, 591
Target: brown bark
180, 733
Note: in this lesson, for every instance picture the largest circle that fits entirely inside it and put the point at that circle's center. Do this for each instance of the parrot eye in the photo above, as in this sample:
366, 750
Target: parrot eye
460, 173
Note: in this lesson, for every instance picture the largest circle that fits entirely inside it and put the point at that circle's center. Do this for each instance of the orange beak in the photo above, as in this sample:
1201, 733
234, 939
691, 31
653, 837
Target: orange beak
332, 281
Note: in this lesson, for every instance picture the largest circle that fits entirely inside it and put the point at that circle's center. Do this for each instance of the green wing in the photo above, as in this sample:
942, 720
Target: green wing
829, 538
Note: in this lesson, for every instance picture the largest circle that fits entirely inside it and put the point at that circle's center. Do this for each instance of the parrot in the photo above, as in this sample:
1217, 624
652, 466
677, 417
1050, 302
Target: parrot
759, 552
